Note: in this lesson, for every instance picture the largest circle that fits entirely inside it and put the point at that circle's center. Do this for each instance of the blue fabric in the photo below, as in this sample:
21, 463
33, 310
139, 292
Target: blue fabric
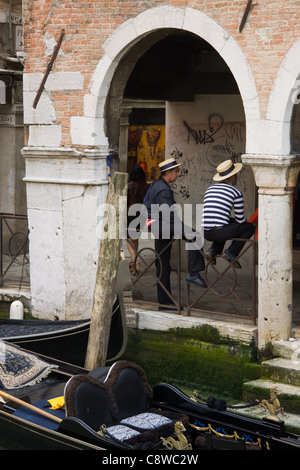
36, 418
121, 433
146, 421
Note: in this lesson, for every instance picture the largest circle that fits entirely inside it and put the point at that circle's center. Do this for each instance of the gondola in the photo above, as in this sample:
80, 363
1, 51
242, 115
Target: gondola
65, 340
114, 409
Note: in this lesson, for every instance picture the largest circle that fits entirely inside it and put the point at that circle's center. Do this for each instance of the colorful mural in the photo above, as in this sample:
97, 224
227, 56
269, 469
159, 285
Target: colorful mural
146, 146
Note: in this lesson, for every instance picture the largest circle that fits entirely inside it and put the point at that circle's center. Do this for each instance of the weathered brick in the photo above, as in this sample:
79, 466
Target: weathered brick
270, 31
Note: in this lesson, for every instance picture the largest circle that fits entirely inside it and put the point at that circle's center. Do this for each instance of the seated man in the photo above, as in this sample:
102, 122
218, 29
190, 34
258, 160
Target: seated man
218, 225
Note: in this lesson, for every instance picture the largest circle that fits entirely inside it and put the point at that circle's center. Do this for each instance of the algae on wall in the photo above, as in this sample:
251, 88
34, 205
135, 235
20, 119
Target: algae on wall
195, 358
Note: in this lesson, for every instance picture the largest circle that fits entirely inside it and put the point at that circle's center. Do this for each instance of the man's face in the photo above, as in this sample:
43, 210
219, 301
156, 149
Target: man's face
172, 175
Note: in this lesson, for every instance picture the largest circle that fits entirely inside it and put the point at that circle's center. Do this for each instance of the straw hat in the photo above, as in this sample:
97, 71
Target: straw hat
227, 169
169, 164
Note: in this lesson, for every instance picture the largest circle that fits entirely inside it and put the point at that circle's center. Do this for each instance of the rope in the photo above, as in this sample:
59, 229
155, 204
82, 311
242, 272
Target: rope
234, 436
220, 405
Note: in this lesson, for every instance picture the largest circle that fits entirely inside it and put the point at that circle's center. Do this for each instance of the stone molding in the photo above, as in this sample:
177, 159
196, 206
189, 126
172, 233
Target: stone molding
274, 174
65, 166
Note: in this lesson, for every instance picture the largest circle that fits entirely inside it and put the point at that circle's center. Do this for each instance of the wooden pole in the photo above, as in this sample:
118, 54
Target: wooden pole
108, 261
30, 407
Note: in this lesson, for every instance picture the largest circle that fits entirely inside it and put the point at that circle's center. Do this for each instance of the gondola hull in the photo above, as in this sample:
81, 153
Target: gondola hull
65, 340
22, 431
269, 433
18, 434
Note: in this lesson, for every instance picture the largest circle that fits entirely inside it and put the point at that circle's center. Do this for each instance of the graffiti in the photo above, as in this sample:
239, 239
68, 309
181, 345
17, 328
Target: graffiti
202, 136
225, 150
183, 191
176, 154
178, 187
235, 130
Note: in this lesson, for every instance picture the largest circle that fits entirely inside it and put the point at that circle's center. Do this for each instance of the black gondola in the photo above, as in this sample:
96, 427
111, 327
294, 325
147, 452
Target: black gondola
65, 340
114, 408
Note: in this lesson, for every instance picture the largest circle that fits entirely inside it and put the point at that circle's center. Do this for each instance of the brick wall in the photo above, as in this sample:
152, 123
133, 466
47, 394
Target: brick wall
270, 31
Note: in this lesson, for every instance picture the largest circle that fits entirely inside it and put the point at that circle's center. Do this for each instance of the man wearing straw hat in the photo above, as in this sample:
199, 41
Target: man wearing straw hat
164, 222
219, 226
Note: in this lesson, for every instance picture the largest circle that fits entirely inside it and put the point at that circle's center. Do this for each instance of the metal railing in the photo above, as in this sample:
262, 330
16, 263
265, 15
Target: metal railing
14, 253
221, 280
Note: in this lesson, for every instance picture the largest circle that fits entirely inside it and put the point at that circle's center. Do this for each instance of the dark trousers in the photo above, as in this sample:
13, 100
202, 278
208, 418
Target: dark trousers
233, 230
195, 264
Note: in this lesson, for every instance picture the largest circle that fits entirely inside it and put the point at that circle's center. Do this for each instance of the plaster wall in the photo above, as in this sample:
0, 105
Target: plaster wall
201, 135
64, 194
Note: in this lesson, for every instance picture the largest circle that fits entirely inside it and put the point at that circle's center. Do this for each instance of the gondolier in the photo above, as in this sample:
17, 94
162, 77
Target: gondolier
219, 226
165, 224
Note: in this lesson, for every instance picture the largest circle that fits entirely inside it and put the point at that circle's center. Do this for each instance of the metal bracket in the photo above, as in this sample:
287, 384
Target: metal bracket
49, 67
245, 15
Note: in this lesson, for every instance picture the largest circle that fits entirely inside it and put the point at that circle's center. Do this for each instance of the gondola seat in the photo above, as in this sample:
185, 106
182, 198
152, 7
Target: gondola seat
119, 407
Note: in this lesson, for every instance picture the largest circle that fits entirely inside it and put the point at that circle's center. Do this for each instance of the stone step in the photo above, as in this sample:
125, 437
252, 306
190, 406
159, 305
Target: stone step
282, 370
283, 373
288, 349
289, 395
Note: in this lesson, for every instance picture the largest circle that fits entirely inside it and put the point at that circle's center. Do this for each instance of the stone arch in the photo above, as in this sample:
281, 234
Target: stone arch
134, 30
284, 96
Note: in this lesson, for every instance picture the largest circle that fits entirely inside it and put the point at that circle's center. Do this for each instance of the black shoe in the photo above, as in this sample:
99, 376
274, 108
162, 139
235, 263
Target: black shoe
170, 307
211, 256
198, 280
232, 259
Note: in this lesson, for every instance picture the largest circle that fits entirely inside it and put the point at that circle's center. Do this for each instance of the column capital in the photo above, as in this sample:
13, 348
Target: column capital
274, 174
125, 113
45, 165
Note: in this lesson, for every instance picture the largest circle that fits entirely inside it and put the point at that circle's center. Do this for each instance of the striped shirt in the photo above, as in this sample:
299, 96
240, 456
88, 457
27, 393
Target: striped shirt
219, 199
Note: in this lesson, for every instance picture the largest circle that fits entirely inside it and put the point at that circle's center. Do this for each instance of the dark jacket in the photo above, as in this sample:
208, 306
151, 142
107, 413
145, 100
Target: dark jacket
162, 210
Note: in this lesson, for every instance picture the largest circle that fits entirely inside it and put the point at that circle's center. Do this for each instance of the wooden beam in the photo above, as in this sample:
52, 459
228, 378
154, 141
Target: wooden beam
108, 262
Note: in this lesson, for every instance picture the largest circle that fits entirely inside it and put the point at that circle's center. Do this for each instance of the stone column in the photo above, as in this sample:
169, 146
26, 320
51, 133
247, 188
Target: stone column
123, 140
65, 189
275, 177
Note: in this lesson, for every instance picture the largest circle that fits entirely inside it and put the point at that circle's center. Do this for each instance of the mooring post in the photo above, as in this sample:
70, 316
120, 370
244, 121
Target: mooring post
107, 268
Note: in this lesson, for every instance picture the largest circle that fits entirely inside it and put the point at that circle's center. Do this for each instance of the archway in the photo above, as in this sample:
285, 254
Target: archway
150, 31
142, 32
284, 108
139, 37
283, 101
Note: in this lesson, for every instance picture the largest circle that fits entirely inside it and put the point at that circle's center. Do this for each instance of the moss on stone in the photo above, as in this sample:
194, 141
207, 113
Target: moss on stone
196, 358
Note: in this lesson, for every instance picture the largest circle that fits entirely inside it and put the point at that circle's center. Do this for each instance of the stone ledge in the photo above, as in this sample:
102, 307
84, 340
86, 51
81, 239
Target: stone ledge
163, 321
287, 349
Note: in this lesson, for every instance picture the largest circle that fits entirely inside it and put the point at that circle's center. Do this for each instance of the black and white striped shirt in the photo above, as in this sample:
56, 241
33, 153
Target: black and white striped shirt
219, 199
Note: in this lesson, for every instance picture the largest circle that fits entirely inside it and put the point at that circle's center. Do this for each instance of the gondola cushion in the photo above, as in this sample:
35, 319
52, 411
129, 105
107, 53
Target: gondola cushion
119, 406
121, 433
145, 421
